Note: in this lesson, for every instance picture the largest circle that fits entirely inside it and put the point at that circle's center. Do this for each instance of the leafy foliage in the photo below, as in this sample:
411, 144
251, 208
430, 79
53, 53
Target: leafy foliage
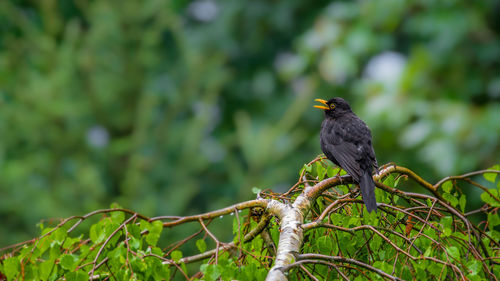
103, 101
412, 236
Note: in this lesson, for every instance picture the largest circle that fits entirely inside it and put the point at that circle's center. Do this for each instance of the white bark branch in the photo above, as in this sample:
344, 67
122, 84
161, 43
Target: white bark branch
292, 234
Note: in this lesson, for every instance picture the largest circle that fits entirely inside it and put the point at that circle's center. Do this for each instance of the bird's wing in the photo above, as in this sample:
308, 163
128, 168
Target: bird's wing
346, 154
349, 140
373, 158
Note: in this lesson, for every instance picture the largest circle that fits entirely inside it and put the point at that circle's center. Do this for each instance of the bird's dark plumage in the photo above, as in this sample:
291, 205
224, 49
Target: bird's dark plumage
346, 140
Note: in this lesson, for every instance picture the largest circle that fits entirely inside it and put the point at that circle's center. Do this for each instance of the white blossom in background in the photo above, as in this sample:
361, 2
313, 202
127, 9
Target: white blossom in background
212, 149
289, 65
386, 68
208, 112
493, 88
97, 136
203, 10
337, 65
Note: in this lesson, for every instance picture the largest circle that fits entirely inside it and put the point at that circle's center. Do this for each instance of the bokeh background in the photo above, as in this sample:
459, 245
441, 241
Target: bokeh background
178, 107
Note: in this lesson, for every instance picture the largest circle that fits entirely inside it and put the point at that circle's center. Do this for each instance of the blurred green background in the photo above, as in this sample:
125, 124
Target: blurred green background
178, 107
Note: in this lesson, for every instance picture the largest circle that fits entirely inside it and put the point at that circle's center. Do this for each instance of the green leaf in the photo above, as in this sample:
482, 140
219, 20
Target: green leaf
490, 200
421, 273
68, 262
319, 202
134, 243
59, 235
454, 252
320, 170
211, 271
117, 217
446, 223
144, 225
55, 251
476, 277
156, 251
155, 228
396, 182
400, 215
431, 232
97, 234
389, 180
354, 221
435, 269
229, 269
138, 264
382, 265
376, 242
474, 267
29, 272
372, 218
382, 254
447, 186
451, 199
428, 252
324, 244
77, 276
161, 272
337, 219
46, 230
256, 190
11, 267
134, 230
302, 170
308, 168
257, 243
69, 242
45, 268
176, 255
201, 245
235, 226
493, 220
118, 251
332, 171
429, 202
462, 202
491, 177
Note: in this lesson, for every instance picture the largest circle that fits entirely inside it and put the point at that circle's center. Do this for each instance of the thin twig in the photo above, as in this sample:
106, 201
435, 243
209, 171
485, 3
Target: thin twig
318, 258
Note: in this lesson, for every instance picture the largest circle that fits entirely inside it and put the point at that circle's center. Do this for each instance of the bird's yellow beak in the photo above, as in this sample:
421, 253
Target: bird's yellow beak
320, 106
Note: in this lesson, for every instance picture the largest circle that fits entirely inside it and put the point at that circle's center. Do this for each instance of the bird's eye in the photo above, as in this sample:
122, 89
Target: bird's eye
332, 106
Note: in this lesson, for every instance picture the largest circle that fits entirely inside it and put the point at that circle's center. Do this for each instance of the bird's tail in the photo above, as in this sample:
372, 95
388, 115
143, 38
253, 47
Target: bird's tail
367, 186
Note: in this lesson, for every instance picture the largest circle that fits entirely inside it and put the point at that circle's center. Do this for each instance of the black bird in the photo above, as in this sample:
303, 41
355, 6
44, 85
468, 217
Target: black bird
347, 142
